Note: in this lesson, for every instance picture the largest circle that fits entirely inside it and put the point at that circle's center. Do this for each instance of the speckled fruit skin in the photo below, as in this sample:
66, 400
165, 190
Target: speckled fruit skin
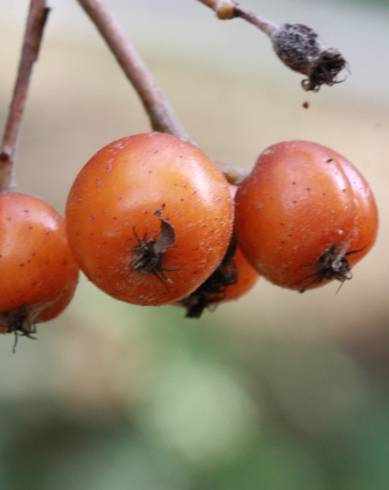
37, 268
115, 197
300, 199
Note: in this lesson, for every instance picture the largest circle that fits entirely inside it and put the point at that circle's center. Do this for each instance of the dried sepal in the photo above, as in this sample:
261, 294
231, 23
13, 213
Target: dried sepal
20, 322
332, 264
149, 254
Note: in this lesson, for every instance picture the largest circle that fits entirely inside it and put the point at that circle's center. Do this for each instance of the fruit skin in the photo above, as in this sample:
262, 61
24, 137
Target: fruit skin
112, 206
38, 274
301, 205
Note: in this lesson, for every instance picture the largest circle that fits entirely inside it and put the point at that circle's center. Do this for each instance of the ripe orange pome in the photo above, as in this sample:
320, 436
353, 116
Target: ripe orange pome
149, 218
305, 215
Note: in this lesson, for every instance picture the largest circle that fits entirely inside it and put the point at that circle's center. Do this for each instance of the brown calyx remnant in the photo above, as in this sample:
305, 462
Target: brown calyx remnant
298, 46
18, 322
212, 290
148, 255
333, 264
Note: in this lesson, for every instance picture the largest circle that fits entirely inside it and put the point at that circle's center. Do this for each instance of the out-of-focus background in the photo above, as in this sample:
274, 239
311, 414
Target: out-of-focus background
279, 391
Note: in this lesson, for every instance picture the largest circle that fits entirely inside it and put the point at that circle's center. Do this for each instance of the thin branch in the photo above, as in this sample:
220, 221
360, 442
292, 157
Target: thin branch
229, 9
36, 20
297, 45
264, 25
161, 114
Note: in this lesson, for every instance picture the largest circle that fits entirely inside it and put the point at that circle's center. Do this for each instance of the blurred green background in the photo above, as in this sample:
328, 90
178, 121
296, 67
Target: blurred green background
278, 391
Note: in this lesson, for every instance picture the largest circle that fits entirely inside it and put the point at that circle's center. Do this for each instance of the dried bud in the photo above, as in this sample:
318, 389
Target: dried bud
299, 48
225, 9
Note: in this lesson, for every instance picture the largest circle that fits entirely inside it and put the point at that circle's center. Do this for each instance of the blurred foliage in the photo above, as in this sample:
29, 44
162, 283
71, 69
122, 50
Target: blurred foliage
200, 407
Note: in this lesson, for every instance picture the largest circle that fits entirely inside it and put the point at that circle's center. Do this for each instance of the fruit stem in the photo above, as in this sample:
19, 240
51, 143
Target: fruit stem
162, 116
33, 34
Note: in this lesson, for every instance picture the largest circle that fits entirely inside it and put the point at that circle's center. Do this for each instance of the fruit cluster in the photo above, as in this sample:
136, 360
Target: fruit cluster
151, 220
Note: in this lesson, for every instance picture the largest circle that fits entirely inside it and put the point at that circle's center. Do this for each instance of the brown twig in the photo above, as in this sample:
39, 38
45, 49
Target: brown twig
36, 20
161, 114
229, 9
